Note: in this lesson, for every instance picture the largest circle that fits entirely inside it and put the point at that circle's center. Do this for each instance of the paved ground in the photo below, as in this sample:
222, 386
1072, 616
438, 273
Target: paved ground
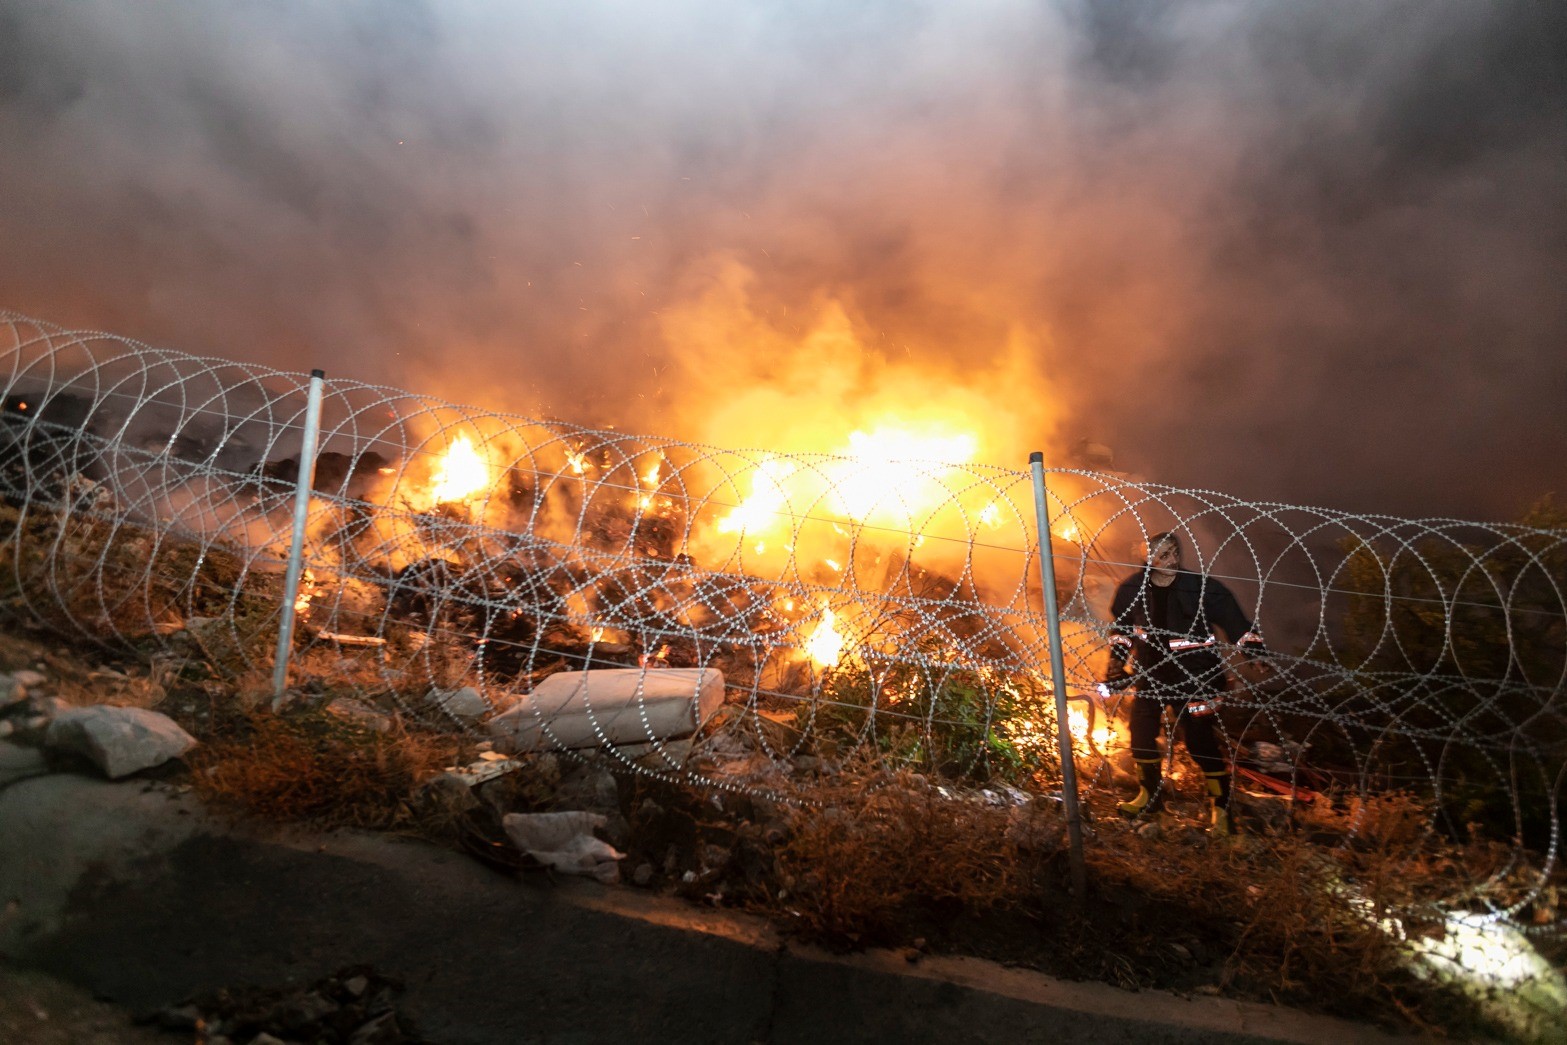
132, 894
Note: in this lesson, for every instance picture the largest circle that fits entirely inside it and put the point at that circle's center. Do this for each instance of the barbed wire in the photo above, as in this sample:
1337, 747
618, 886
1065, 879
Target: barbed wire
783, 610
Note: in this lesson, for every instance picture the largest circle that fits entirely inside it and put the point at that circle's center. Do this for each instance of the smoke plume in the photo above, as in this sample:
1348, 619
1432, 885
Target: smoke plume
1303, 252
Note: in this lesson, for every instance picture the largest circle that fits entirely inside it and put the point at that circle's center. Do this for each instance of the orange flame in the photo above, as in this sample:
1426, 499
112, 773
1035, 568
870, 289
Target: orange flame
825, 644
463, 472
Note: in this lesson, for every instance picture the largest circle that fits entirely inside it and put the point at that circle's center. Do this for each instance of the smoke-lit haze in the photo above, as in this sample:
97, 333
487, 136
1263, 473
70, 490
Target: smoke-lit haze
1312, 252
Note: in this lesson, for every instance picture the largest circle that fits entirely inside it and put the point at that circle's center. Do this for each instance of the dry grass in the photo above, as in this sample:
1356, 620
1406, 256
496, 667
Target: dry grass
309, 767
860, 866
888, 860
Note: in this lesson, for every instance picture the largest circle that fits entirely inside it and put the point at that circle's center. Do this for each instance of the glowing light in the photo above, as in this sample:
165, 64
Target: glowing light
463, 471
991, 516
760, 509
833, 564
885, 472
1067, 531
307, 589
578, 461
1492, 962
825, 645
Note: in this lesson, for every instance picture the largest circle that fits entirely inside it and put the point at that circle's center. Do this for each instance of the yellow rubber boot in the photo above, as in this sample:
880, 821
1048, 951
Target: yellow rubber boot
1148, 787
1218, 784
1136, 806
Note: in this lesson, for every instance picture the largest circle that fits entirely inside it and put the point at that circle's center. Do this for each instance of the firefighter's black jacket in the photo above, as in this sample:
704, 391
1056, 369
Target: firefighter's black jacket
1178, 655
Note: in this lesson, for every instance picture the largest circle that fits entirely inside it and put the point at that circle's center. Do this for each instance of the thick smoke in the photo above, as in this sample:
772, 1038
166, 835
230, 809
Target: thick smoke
1307, 252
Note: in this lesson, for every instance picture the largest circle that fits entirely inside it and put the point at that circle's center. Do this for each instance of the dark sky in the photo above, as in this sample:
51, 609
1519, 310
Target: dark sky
1310, 252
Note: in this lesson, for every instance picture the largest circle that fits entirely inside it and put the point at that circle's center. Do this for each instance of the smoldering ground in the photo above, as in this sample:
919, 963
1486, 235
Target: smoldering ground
1308, 252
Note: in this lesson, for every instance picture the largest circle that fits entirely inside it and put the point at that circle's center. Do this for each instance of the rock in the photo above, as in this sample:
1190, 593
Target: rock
7, 727
179, 1018
714, 857
118, 740
591, 787
29, 678
1272, 811
642, 876
360, 714
298, 1013
356, 985
49, 707
12, 691
466, 704
589, 709
565, 842
1151, 831
383, 1030
449, 791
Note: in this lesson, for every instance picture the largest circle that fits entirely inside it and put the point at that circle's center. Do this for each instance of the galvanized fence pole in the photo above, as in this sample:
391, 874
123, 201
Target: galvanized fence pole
296, 546
1047, 576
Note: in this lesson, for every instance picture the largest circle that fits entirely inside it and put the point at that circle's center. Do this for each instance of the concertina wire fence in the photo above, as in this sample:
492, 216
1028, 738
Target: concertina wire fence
857, 609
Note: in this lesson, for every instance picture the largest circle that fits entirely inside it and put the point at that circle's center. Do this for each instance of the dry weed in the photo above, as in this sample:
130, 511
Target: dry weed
860, 866
310, 767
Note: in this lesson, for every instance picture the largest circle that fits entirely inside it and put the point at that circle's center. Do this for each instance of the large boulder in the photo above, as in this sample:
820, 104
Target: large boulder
118, 740
610, 706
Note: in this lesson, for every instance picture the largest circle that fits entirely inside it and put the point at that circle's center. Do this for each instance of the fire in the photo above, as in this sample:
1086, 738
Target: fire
1103, 737
760, 509
463, 472
893, 476
884, 474
825, 644
307, 590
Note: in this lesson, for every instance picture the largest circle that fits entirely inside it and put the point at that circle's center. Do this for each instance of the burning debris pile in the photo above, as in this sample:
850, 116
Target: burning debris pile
752, 619
448, 551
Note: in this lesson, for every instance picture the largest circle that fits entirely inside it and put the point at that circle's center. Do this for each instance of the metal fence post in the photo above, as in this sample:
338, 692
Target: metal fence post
296, 546
1047, 575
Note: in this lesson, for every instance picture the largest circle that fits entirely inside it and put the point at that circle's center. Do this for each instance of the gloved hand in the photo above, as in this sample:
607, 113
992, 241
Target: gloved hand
1251, 646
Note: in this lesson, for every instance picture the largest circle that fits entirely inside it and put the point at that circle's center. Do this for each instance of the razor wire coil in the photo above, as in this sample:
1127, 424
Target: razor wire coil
883, 610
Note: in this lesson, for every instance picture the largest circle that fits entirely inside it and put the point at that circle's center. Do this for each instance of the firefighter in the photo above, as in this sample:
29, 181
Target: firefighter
1162, 619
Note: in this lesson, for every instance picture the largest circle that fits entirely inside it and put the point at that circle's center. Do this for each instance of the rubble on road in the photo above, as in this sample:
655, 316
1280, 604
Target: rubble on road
353, 1006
